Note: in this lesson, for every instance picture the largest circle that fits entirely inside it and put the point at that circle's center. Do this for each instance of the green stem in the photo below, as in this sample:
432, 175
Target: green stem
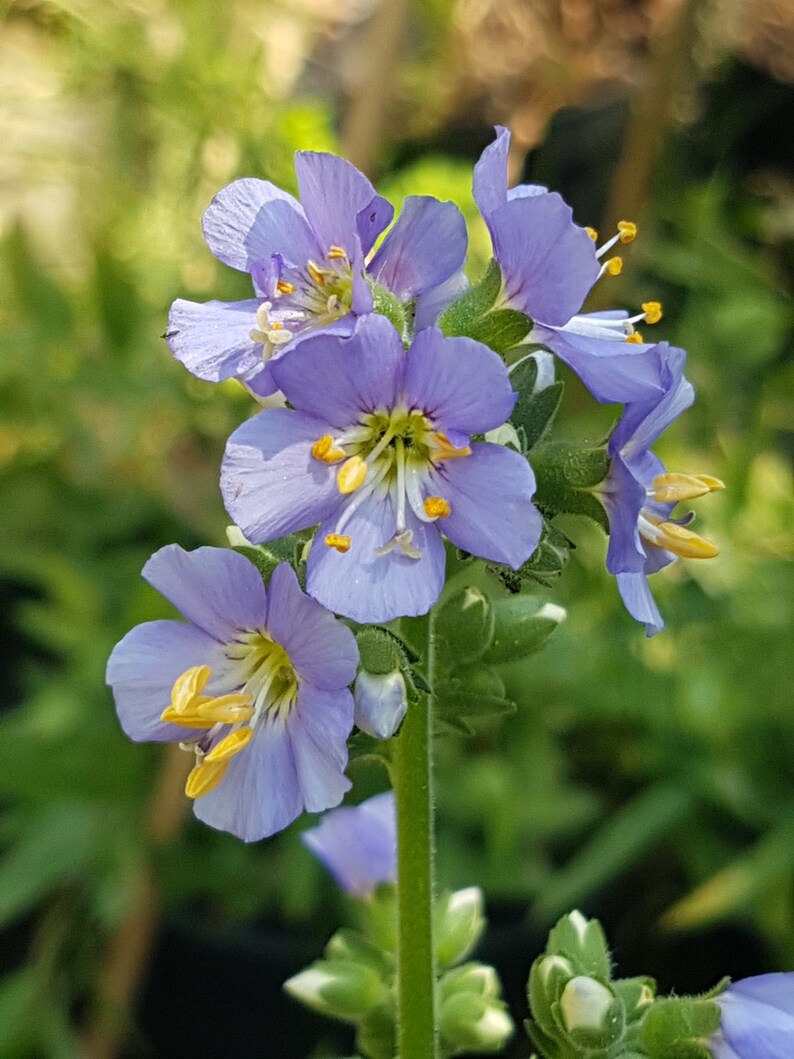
412, 777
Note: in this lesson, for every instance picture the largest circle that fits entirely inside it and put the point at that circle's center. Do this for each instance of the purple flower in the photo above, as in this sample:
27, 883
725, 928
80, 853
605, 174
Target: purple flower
376, 448
639, 494
255, 685
549, 265
381, 702
358, 845
310, 262
757, 1019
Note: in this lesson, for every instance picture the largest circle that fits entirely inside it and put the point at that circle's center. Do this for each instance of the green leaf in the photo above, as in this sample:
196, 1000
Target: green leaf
534, 412
459, 317
501, 329
474, 691
464, 628
522, 624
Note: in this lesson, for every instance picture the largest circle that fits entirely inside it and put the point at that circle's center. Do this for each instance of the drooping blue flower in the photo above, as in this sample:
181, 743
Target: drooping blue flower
376, 449
255, 685
757, 1019
310, 262
358, 845
549, 264
639, 494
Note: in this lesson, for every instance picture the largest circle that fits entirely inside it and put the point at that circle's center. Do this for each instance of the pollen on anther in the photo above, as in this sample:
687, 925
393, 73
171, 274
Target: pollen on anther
337, 253
323, 449
614, 266
436, 507
316, 273
351, 475
205, 777
338, 541
628, 231
653, 312
592, 233
283, 287
635, 338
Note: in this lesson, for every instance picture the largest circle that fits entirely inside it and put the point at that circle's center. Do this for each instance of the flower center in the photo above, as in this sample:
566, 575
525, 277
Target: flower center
268, 685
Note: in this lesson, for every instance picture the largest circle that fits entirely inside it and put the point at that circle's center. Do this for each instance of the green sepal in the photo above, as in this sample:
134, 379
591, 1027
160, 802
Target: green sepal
379, 650
565, 476
534, 413
464, 628
604, 1038
474, 691
546, 1045
387, 304
544, 565
675, 1028
376, 1035
637, 994
350, 945
583, 943
501, 329
266, 557
522, 624
458, 318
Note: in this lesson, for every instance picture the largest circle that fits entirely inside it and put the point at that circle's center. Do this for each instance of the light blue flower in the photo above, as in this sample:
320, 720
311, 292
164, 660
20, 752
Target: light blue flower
757, 1019
358, 845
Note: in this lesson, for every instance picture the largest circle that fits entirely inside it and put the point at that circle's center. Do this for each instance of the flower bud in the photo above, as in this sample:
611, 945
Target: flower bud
590, 1013
468, 1022
341, 989
459, 924
477, 978
381, 702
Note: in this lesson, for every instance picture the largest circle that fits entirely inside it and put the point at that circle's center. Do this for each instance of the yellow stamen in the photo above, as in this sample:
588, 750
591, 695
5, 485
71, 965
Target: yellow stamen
672, 487
316, 273
277, 326
338, 541
635, 338
230, 745
628, 231
337, 253
592, 233
185, 718
323, 449
351, 475
205, 777
227, 709
683, 542
653, 312
436, 507
445, 450
614, 266
285, 288
187, 686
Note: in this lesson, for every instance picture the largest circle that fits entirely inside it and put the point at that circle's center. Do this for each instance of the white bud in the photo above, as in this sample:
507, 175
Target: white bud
584, 1004
381, 702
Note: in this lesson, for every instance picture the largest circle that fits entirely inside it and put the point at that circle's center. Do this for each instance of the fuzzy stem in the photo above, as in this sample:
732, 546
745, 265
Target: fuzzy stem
412, 776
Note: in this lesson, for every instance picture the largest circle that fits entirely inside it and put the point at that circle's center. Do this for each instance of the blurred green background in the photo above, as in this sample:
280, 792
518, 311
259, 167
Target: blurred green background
648, 782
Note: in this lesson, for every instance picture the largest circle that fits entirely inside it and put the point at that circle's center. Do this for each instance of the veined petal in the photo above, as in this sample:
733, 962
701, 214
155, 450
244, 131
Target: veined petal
639, 602
373, 219
337, 380
239, 228
548, 262
425, 247
217, 589
755, 1029
623, 500
458, 383
319, 726
322, 649
358, 845
143, 667
271, 483
213, 340
366, 586
642, 430
776, 989
333, 193
490, 493
489, 185
261, 792
431, 305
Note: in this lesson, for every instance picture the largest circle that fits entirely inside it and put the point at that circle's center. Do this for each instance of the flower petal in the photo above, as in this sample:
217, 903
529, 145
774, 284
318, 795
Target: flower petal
142, 669
641, 427
624, 499
638, 599
368, 587
319, 726
459, 383
217, 589
426, 246
775, 989
490, 493
373, 219
431, 305
240, 225
270, 481
213, 340
333, 194
489, 185
548, 262
358, 845
323, 650
261, 793
755, 1029
338, 380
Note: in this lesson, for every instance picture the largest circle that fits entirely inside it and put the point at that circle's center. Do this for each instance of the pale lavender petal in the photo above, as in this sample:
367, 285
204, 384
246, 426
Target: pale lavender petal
339, 380
319, 726
261, 792
361, 293
142, 669
217, 589
526, 191
431, 305
213, 340
333, 193
238, 223
489, 185
358, 845
368, 587
381, 702
720, 1049
270, 481
323, 650
679, 396
372, 220
638, 599
490, 493
548, 262
754, 1029
623, 498
776, 989
458, 383
426, 246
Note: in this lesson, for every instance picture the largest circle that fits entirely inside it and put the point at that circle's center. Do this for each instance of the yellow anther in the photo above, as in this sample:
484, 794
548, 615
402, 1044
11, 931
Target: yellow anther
285, 288
187, 718
673, 487
592, 233
317, 274
337, 253
614, 266
628, 231
205, 777
445, 450
681, 541
323, 449
338, 541
351, 475
653, 312
635, 338
230, 745
227, 709
277, 326
187, 686
436, 507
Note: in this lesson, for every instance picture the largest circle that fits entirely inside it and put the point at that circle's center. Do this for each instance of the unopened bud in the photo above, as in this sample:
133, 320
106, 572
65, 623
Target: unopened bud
477, 978
459, 924
469, 1022
590, 1013
341, 989
381, 702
